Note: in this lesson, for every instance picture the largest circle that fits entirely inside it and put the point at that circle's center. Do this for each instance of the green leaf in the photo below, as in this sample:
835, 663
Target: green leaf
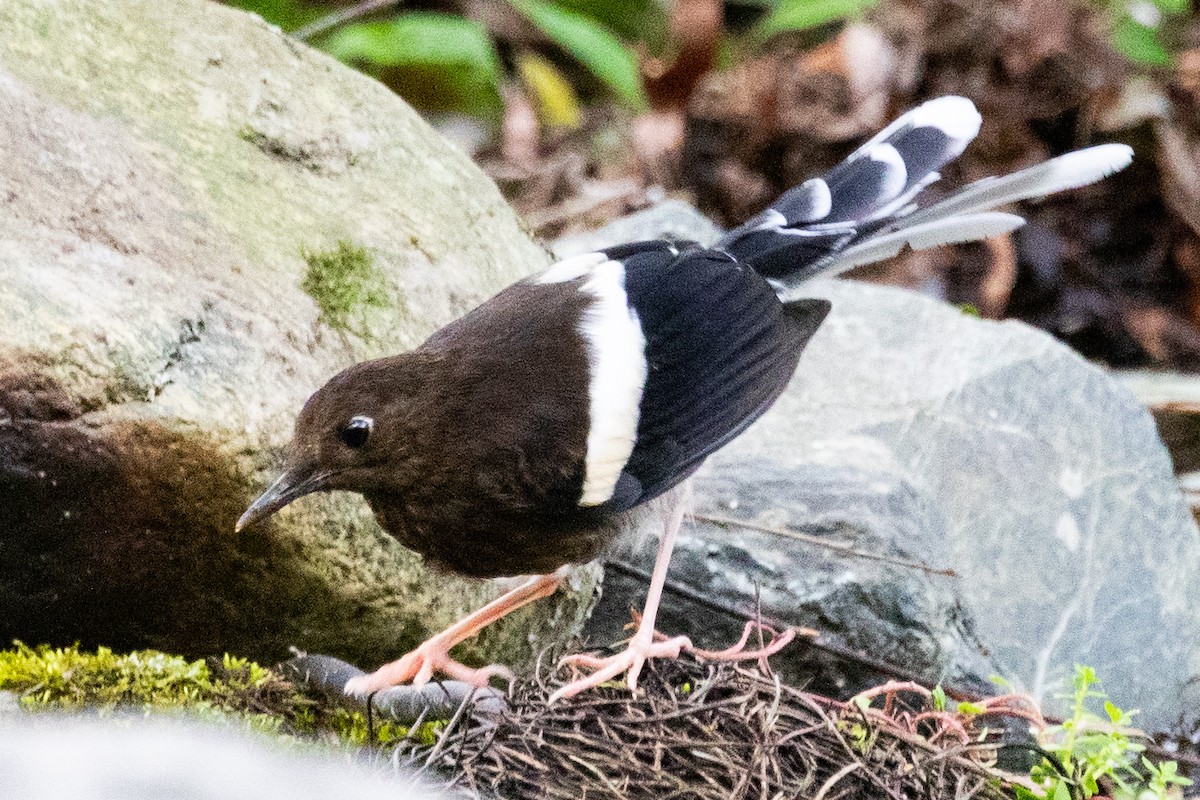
287, 14
1085, 676
1061, 792
802, 15
632, 20
939, 698
971, 709
1163, 775
1173, 6
436, 61
592, 44
1115, 714
418, 38
1140, 43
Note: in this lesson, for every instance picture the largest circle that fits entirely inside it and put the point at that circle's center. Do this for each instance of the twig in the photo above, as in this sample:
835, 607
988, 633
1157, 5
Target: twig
835, 778
341, 16
841, 547
744, 735
595, 194
441, 741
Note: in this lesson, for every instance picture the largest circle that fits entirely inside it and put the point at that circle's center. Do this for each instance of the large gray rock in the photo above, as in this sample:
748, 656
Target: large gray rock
918, 432
170, 179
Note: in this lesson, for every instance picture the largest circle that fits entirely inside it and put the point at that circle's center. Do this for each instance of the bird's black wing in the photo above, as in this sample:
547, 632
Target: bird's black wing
720, 348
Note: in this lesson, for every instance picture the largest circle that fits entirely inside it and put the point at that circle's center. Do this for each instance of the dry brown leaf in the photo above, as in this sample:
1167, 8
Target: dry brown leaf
1166, 336
839, 91
695, 28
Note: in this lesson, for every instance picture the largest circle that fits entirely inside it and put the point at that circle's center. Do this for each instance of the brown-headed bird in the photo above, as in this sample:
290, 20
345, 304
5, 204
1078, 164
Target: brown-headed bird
533, 432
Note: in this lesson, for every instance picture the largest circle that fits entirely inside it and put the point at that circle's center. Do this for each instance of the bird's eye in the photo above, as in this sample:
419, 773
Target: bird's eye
356, 431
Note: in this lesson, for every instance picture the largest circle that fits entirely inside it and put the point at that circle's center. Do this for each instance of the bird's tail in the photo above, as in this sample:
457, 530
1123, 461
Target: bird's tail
865, 209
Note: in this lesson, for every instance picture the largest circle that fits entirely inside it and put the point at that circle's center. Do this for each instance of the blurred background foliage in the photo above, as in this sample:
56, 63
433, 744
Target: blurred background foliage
456, 56
584, 110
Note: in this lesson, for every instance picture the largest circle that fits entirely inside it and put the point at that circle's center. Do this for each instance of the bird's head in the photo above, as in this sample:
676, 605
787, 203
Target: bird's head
351, 434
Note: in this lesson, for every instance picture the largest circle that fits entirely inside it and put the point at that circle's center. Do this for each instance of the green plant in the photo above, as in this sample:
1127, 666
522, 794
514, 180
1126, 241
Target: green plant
450, 62
443, 61
230, 690
592, 44
1091, 748
1138, 27
65, 677
1162, 777
802, 15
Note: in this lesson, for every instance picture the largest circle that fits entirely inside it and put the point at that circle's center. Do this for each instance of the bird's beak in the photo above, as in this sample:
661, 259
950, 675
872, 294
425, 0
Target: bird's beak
296, 482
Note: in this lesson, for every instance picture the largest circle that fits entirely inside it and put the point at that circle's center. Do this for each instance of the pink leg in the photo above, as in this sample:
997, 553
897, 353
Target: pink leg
643, 645
648, 643
433, 655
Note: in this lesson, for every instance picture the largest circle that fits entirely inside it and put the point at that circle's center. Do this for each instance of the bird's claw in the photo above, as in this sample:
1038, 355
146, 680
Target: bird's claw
643, 647
738, 651
640, 649
419, 666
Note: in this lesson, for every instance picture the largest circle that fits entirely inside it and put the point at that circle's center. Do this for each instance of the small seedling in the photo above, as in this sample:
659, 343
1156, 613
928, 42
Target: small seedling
1095, 750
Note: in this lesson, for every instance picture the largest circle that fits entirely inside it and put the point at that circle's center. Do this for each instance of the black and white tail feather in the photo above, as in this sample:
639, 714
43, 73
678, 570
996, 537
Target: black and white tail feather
687, 346
865, 209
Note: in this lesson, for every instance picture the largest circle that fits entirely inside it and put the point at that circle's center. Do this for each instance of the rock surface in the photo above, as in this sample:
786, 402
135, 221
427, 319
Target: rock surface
917, 432
169, 181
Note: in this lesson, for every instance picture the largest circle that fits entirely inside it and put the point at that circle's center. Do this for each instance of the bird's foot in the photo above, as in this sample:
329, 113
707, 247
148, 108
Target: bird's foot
419, 667
641, 648
433, 655
738, 651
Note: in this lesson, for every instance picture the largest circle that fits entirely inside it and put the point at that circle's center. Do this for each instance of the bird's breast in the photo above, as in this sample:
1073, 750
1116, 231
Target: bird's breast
489, 542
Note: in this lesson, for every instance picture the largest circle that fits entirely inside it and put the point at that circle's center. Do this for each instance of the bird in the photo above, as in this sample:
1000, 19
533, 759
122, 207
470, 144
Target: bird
538, 430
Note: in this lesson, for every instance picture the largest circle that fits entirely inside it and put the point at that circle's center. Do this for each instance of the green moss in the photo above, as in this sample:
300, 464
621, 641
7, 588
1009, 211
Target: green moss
66, 678
344, 282
351, 727
230, 688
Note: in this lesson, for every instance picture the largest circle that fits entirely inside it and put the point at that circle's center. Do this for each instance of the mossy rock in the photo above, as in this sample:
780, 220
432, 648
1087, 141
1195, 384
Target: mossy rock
202, 221
227, 690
